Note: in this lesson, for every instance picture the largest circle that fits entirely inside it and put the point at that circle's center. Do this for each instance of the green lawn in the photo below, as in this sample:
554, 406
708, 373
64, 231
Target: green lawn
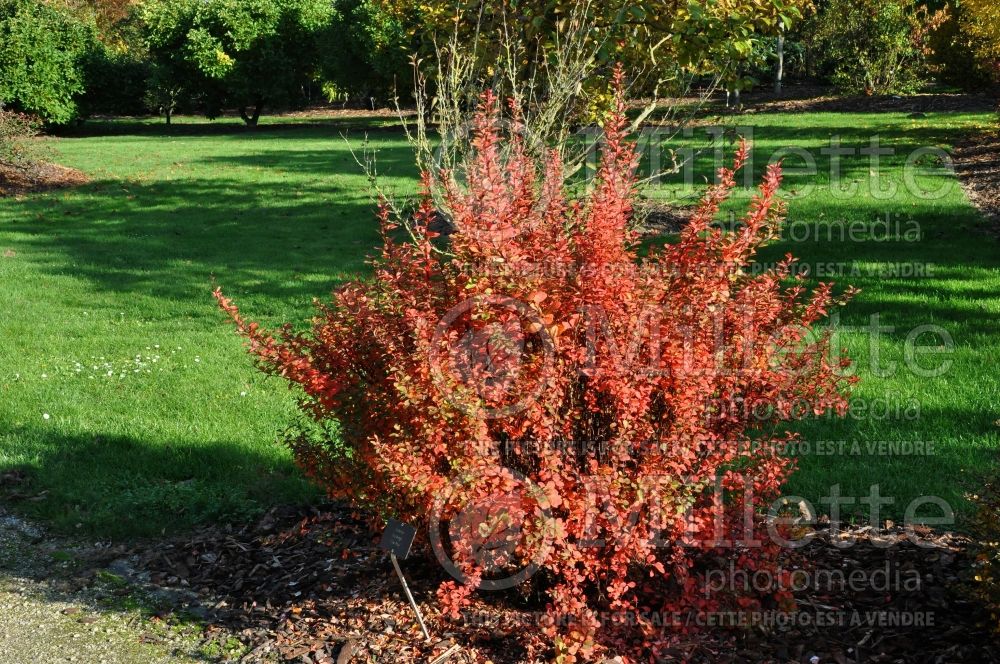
133, 408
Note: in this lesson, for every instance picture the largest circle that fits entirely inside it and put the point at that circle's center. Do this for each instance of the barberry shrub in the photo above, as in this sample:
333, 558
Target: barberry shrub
555, 409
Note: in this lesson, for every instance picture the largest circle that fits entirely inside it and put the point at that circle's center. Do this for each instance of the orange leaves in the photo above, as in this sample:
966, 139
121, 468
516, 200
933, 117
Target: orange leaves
551, 401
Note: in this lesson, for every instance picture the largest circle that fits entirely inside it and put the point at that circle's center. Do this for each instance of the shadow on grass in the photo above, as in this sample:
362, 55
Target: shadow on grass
858, 452
175, 239
314, 163
120, 486
770, 144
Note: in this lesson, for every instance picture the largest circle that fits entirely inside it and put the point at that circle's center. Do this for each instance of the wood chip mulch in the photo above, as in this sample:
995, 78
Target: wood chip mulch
307, 587
977, 164
806, 98
19, 180
658, 218
312, 587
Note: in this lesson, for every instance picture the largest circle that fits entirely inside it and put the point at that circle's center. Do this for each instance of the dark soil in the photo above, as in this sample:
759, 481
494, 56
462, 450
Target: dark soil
657, 218
809, 98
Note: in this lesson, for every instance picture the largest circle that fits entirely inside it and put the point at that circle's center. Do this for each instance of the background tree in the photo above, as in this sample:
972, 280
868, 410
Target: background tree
174, 76
43, 49
244, 54
116, 20
662, 38
117, 69
366, 53
955, 51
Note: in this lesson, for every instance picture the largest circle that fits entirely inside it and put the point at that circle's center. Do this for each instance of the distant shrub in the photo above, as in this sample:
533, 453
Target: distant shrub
41, 58
15, 131
874, 47
955, 53
980, 23
542, 399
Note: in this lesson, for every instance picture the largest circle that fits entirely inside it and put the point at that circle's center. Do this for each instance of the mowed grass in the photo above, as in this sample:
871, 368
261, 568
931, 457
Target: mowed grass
133, 409
127, 398
926, 266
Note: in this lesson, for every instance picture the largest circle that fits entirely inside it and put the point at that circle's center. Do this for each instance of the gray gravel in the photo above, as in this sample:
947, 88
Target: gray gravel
44, 618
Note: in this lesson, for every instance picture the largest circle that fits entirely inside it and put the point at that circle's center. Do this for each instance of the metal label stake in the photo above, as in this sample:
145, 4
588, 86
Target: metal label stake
397, 540
409, 596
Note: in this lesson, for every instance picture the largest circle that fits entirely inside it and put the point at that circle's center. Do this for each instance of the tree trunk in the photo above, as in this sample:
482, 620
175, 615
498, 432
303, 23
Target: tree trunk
779, 73
733, 98
251, 120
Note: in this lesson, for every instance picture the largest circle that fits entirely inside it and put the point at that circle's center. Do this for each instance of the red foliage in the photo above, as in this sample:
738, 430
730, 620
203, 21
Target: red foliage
551, 402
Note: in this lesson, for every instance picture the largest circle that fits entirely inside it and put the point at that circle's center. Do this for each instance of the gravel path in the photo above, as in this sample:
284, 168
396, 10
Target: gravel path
37, 628
47, 615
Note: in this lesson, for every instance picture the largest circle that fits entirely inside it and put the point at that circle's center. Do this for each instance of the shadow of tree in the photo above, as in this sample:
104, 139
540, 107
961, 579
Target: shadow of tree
126, 486
172, 239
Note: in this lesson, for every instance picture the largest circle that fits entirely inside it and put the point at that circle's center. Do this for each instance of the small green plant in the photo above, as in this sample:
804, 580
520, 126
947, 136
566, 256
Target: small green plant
227, 649
62, 557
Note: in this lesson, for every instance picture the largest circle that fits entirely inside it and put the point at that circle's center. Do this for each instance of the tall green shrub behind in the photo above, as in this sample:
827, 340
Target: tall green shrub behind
41, 59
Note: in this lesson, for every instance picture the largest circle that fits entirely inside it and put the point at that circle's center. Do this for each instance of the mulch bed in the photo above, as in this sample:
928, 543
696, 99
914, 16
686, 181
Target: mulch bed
312, 587
33, 177
810, 101
977, 164
802, 98
657, 218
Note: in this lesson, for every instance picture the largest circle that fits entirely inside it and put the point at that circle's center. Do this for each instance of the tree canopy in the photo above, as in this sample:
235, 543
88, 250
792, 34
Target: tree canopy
242, 53
698, 36
982, 24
